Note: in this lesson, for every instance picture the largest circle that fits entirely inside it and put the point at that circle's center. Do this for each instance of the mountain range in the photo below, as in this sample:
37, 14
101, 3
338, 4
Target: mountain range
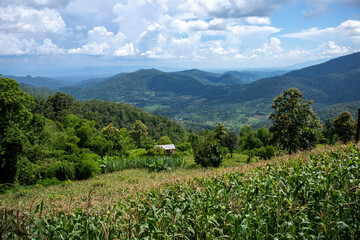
234, 98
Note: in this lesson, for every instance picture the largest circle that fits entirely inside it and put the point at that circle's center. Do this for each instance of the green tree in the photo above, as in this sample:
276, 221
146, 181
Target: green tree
208, 152
59, 106
248, 139
345, 126
291, 116
164, 140
139, 133
219, 132
231, 141
14, 115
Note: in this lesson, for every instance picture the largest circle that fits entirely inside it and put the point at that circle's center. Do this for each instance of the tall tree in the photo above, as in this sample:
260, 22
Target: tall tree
345, 126
291, 116
231, 141
139, 133
59, 106
14, 115
220, 132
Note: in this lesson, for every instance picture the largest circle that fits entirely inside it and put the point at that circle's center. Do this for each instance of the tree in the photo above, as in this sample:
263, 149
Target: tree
14, 115
291, 116
164, 140
231, 141
208, 152
139, 133
220, 132
59, 106
345, 126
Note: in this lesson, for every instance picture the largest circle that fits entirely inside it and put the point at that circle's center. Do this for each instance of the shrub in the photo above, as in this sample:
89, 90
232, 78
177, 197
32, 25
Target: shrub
28, 172
62, 170
157, 151
88, 166
266, 152
208, 153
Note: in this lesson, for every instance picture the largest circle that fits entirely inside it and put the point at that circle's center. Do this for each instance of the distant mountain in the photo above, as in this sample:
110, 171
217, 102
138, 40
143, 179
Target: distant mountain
197, 96
42, 92
335, 81
330, 112
39, 81
246, 77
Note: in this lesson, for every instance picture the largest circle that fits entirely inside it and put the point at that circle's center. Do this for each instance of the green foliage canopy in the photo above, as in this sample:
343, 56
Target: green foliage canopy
14, 115
291, 116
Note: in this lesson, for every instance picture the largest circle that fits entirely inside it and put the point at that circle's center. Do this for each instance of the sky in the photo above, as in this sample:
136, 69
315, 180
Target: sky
53, 37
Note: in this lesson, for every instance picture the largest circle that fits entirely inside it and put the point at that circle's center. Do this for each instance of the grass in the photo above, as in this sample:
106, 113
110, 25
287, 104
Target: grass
307, 195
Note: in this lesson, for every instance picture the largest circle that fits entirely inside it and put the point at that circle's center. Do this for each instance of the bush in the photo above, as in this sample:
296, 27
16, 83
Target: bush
157, 151
266, 152
62, 170
28, 172
88, 166
208, 153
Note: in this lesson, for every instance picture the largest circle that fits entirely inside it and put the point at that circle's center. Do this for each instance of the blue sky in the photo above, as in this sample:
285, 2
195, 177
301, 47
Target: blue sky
48, 37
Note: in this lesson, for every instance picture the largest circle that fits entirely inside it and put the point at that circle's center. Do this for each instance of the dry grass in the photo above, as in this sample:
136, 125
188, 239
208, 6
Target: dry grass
107, 190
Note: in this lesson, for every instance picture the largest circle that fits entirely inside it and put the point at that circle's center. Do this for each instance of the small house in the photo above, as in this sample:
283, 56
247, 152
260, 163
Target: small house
169, 148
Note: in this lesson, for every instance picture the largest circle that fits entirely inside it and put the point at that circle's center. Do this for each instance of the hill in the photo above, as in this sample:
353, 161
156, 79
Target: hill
39, 81
330, 112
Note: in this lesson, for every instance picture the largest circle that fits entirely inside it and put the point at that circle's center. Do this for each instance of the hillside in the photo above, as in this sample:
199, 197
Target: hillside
38, 81
195, 96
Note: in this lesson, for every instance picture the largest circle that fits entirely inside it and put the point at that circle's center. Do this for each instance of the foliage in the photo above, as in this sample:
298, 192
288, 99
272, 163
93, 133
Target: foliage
307, 138
110, 164
296, 199
208, 152
219, 133
59, 106
139, 133
14, 115
291, 116
231, 141
328, 132
157, 151
87, 166
345, 126
164, 140
266, 152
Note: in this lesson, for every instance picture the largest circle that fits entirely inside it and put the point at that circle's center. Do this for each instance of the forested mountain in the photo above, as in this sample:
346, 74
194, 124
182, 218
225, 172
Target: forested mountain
39, 81
330, 112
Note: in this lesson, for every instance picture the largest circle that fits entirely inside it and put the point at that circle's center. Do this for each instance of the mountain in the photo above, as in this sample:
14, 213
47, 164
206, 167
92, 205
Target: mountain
332, 82
330, 112
42, 92
39, 81
246, 77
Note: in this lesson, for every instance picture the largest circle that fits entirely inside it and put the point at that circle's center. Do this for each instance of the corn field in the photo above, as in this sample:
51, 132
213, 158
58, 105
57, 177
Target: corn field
317, 198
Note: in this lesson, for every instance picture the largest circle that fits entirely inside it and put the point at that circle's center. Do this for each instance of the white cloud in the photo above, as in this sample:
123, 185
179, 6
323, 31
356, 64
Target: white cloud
10, 45
321, 7
258, 20
29, 20
127, 50
48, 47
348, 30
332, 49
103, 42
271, 48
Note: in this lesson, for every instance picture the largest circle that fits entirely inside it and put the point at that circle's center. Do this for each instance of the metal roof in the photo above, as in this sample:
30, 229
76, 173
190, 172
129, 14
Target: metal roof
167, 146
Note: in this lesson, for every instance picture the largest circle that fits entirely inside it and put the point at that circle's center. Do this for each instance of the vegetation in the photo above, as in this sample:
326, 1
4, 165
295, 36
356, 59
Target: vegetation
311, 197
293, 121
344, 126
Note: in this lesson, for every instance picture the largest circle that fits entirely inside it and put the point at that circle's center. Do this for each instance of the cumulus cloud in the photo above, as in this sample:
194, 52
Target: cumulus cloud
103, 42
18, 19
11, 45
332, 49
48, 47
348, 30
